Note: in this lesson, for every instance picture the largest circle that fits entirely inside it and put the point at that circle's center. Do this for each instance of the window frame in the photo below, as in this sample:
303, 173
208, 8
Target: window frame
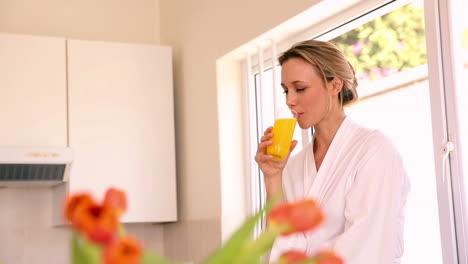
443, 86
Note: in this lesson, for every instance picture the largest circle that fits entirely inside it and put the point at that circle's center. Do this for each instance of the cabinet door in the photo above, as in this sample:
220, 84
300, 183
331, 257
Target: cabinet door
122, 125
33, 95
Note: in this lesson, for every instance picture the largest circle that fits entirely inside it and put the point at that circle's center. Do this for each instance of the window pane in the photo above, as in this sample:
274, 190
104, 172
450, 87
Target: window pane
390, 58
386, 45
462, 91
461, 88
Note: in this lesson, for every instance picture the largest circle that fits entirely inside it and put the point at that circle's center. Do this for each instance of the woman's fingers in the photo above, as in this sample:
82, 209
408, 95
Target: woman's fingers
266, 137
263, 145
293, 145
268, 130
262, 158
265, 141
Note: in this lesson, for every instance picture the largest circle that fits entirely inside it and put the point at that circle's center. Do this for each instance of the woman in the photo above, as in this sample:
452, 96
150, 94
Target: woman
355, 174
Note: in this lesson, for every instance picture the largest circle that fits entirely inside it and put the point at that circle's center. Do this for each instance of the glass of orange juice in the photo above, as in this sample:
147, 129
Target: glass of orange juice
283, 131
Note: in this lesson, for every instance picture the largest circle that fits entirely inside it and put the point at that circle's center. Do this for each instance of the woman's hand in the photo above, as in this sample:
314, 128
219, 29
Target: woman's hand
270, 168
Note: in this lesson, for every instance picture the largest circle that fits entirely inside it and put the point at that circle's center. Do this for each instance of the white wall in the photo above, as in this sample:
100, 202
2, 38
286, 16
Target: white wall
111, 20
201, 32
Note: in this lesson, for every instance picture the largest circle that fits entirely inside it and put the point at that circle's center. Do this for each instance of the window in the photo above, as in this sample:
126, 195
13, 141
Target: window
389, 54
457, 109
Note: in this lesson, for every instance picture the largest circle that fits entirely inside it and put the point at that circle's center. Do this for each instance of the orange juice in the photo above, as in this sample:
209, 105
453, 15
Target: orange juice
283, 131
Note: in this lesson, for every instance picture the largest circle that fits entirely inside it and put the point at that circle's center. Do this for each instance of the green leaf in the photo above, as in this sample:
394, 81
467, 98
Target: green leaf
84, 251
121, 231
153, 258
237, 241
254, 250
308, 261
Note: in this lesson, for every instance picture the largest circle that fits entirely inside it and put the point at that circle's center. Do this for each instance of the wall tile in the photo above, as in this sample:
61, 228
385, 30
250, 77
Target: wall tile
28, 237
191, 241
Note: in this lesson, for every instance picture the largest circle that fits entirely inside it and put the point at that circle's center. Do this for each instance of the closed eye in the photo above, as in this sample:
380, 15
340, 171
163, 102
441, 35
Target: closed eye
297, 90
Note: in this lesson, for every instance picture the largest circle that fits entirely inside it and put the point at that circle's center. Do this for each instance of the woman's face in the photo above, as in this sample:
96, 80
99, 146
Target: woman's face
306, 93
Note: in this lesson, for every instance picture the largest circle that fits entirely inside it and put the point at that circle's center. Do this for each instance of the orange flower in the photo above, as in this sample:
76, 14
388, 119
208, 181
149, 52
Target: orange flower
328, 257
116, 199
297, 217
126, 250
292, 256
73, 202
98, 222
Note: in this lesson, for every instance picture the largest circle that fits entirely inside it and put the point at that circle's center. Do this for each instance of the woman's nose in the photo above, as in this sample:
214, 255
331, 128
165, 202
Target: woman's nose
290, 100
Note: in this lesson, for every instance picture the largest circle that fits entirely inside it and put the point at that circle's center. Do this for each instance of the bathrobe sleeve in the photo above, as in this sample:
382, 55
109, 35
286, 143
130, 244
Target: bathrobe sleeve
374, 207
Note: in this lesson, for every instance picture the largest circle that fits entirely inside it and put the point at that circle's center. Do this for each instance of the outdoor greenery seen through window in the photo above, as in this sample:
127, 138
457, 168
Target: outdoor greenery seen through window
386, 45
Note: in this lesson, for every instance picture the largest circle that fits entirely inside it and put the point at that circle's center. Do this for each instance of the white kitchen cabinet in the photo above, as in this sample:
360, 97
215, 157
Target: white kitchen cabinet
112, 103
121, 125
33, 101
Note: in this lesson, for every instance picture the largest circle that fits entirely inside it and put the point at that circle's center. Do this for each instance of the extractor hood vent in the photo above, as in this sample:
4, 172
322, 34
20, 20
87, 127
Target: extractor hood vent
34, 166
32, 172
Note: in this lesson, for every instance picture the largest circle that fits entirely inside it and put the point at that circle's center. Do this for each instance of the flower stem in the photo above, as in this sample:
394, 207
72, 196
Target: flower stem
121, 231
252, 251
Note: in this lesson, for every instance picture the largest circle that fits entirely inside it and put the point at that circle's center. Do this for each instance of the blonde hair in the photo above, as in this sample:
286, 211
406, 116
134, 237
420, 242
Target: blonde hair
329, 61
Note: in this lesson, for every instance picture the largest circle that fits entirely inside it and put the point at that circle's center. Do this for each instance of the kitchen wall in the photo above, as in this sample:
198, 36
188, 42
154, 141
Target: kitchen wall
26, 233
201, 32
109, 20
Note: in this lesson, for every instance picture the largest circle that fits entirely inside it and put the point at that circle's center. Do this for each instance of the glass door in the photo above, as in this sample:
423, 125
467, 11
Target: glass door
389, 55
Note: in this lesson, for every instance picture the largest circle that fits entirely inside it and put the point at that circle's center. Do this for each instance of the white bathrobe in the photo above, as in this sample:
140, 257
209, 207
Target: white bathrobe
362, 188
